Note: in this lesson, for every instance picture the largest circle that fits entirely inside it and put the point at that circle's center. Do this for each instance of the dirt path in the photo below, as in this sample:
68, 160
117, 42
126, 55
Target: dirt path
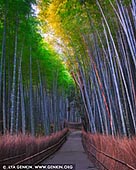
72, 152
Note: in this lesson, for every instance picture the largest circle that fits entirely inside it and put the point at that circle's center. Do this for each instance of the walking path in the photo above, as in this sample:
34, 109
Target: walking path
72, 152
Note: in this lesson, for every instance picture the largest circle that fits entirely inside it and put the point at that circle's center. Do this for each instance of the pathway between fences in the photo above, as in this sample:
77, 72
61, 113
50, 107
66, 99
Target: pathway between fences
71, 152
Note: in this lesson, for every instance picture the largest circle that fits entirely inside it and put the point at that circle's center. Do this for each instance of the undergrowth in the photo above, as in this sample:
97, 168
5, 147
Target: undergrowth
13, 145
123, 149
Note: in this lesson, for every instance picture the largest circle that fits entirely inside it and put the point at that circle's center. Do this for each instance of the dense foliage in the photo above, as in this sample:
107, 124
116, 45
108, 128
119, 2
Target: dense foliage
94, 39
100, 44
34, 81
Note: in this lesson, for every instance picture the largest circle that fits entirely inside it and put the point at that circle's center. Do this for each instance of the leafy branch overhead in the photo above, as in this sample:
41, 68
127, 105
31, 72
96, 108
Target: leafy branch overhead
58, 52
100, 45
32, 74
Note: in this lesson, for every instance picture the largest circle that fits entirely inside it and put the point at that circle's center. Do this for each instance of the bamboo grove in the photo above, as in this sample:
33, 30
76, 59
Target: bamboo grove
34, 82
99, 41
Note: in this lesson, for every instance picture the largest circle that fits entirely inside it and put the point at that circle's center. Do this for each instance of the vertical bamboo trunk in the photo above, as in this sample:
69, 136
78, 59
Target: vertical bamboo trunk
23, 112
86, 116
31, 97
117, 89
100, 72
3, 71
111, 74
133, 9
99, 113
47, 116
120, 67
128, 30
67, 109
112, 65
9, 93
13, 93
18, 89
92, 123
42, 101
127, 27
3, 62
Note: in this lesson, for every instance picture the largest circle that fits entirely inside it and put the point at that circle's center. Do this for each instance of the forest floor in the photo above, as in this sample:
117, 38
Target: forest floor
72, 152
